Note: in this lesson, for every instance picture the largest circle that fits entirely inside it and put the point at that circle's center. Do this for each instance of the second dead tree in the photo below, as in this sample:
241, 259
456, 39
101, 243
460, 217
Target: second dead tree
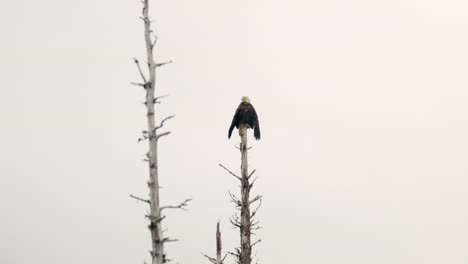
153, 135
218, 259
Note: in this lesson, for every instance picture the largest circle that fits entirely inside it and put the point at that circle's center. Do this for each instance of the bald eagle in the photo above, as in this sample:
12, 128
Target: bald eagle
245, 116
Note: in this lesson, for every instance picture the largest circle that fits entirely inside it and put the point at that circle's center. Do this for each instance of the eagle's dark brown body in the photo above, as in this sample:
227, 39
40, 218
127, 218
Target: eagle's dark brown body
245, 115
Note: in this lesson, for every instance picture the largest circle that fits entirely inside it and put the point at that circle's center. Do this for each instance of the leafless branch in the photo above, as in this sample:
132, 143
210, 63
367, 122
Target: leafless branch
240, 148
156, 99
258, 197
139, 69
141, 139
235, 221
250, 175
154, 41
163, 63
213, 260
162, 135
235, 200
144, 137
236, 254
140, 199
137, 84
166, 240
254, 223
161, 97
155, 219
254, 212
222, 261
230, 172
251, 184
209, 258
256, 242
182, 205
163, 121
255, 228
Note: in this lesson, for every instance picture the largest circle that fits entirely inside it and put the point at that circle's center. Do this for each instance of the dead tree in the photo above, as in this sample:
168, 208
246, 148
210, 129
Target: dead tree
218, 259
246, 222
153, 135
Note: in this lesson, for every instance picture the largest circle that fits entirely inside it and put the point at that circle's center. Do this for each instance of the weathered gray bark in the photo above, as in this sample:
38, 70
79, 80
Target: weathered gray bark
245, 222
153, 136
157, 252
218, 245
246, 248
218, 259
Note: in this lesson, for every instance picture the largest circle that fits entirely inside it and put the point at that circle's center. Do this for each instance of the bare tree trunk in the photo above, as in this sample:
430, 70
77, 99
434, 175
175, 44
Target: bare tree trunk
157, 252
246, 248
245, 222
218, 259
218, 245
152, 135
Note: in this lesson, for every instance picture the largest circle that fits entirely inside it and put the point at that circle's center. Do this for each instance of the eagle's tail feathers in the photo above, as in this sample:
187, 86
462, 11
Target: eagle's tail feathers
257, 132
230, 130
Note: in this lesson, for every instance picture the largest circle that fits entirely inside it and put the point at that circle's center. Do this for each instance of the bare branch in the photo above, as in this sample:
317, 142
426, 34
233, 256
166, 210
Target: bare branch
156, 99
224, 258
140, 199
144, 137
255, 228
235, 221
235, 200
141, 139
214, 261
254, 212
240, 148
256, 242
163, 121
236, 254
161, 97
137, 84
166, 240
180, 206
230, 172
250, 175
209, 258
155, 219
258, 197
250, 185
254, 223
139, 69
163, 134
155, 39
163, 63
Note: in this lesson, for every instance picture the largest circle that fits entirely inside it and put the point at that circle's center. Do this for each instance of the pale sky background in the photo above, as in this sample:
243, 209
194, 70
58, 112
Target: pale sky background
362, 105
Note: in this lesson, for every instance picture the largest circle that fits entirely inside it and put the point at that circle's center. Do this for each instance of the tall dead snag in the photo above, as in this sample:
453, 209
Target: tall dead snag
246, 222
153, 136
218, 259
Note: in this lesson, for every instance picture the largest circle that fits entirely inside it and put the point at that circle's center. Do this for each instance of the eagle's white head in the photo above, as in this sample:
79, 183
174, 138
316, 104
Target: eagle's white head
245, 99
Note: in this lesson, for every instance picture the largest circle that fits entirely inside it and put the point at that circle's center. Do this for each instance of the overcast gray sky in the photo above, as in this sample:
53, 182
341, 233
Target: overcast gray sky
362, 105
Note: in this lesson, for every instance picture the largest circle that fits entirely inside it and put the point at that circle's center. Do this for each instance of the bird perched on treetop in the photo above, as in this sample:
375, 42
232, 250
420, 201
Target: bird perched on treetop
245, 116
